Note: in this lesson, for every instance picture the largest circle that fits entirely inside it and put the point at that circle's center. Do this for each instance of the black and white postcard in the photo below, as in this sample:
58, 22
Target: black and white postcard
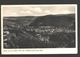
39, 29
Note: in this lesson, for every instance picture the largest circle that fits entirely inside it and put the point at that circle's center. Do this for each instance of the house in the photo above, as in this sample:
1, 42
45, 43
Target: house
58, 30
5, 28
6, 32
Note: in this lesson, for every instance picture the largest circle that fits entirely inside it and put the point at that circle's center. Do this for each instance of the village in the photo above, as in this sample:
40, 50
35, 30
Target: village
48, 30
42, 32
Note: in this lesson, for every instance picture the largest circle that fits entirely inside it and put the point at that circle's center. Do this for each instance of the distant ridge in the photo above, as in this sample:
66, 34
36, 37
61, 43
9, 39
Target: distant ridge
61, 20
18, 16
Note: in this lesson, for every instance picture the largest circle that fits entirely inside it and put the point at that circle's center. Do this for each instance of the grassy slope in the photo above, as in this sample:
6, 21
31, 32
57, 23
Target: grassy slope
54, 20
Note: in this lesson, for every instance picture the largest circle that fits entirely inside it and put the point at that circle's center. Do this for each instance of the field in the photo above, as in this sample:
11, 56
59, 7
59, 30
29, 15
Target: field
18, 34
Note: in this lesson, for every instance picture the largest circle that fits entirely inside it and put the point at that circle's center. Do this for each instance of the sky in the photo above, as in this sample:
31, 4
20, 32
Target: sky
36, 10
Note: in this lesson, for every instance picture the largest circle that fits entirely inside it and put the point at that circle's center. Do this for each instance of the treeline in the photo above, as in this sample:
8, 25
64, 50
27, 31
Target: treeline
58, 40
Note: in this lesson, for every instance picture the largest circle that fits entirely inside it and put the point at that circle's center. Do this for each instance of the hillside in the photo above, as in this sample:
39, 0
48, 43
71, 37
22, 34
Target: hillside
25, 20
66, 20
18, 33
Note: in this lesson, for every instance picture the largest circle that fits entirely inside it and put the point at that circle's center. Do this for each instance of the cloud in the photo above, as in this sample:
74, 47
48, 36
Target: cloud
37, 10
28, 12
62, 12
25, 8
25, 12
66, 12
47, 11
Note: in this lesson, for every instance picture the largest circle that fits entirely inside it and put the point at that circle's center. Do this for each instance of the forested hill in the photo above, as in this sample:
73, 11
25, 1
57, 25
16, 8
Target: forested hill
64, 20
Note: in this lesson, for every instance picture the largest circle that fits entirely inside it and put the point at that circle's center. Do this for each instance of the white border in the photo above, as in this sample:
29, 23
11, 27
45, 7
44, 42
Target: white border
39, 50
